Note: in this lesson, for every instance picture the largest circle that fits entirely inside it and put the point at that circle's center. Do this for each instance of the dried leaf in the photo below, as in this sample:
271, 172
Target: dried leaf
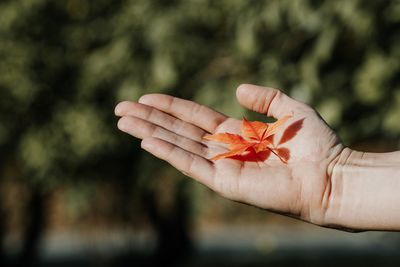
273, 127
256, 142
254, 130
226, 138
283, 153
233, 152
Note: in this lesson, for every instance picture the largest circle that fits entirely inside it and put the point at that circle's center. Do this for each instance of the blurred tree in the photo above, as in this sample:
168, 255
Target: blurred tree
65, 64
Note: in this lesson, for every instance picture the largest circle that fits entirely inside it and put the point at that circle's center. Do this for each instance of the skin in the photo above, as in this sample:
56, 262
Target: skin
324, 183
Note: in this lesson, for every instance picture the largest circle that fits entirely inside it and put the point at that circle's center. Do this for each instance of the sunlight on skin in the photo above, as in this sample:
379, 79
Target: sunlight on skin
172, 129
309, 187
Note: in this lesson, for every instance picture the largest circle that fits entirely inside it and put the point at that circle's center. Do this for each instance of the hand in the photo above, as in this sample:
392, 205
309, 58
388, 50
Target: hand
173, 129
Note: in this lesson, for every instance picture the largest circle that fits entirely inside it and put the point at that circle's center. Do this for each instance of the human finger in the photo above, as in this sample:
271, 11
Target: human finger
188, 163
267, 100
189, 111
155, 116
140, 128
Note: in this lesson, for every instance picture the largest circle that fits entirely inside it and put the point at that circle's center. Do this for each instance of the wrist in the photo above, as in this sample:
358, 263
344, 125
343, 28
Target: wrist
336, 197
364, 191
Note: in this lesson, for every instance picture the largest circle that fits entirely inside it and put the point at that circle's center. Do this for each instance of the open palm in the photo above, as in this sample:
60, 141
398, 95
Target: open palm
173, 130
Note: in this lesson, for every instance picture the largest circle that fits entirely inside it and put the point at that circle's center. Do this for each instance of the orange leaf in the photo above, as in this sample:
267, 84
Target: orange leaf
233, 152
254, 130
227, 138
251, 155
282, 153
261, 146
274, 127
255, 144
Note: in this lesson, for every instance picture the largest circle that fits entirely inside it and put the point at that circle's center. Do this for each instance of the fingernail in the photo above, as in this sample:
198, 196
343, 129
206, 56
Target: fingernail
117, 110
142, 99
146, 145
122, 124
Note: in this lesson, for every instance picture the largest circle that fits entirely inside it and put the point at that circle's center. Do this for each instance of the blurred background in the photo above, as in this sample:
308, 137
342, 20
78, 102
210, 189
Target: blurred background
75, 190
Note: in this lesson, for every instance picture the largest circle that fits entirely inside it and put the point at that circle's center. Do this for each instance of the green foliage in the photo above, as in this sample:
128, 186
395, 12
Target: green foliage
65, 64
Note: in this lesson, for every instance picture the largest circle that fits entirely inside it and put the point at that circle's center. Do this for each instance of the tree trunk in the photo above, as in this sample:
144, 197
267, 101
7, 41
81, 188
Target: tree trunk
34, 229
173, 238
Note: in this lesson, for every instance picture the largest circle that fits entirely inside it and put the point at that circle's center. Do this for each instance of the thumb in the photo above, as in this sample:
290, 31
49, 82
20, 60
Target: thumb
269, 101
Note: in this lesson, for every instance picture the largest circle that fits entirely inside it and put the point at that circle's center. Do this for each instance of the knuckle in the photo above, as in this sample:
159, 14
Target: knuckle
190, 166
155, 131
196, 109
178, 126
150, 114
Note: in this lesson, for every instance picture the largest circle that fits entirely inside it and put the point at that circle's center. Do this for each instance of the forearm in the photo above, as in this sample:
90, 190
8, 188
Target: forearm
365, 191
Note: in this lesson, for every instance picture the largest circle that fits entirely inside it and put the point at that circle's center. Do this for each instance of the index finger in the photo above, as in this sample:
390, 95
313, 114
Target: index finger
186, 110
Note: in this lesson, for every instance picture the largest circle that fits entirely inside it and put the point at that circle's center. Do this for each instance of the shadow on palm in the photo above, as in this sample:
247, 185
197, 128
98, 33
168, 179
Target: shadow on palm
172, 129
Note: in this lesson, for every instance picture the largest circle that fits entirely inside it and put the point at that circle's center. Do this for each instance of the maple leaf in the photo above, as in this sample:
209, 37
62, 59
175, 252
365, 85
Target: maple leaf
237, 144
254, 130
232, 139
257, 137
282, 153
